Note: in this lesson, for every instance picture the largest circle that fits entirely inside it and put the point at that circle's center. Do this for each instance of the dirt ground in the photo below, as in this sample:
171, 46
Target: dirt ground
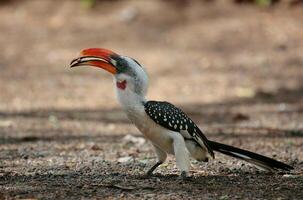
237, 70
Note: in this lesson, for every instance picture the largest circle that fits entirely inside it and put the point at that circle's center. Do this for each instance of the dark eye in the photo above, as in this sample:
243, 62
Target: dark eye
120, 64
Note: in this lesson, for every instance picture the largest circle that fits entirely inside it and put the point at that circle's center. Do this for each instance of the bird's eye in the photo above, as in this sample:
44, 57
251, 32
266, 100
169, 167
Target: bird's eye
116, 61
119, 63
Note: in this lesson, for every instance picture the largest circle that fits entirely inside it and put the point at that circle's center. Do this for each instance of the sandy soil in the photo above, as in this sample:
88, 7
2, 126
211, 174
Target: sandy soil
236, 70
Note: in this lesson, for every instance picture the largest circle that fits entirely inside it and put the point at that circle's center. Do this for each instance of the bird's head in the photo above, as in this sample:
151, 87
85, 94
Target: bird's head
128, 74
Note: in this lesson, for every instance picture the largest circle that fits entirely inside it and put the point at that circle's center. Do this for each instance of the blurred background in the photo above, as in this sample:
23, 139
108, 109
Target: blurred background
235, 66
195, 52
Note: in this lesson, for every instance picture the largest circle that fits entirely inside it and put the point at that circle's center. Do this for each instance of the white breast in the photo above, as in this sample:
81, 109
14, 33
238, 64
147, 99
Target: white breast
158, 135
134, 108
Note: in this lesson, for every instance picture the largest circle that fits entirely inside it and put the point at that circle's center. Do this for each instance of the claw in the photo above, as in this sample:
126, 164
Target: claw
150, 171
184, 176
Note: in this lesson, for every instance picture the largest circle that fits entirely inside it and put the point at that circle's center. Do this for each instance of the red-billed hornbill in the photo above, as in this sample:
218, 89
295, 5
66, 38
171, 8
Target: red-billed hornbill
168, 128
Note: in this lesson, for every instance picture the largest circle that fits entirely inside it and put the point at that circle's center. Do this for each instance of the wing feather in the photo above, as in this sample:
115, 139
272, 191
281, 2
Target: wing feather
174, 119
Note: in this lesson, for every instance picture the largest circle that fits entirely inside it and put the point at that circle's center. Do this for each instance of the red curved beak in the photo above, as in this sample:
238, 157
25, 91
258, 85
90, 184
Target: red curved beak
96, 57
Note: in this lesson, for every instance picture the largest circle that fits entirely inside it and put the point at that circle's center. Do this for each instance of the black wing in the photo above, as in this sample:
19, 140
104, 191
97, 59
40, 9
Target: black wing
174, 119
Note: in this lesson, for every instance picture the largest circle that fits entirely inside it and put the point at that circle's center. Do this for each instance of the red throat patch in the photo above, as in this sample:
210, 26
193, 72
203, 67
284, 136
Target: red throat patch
121, 85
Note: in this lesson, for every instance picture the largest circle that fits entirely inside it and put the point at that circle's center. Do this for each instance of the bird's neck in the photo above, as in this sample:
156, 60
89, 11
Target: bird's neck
133, 104
129, 99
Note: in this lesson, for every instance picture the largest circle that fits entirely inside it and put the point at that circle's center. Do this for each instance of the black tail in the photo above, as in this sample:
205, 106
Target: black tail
256, 159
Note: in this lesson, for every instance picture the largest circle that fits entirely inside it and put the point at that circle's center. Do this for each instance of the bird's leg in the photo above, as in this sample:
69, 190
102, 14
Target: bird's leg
182, 155
184, 175
161, 155
152, 169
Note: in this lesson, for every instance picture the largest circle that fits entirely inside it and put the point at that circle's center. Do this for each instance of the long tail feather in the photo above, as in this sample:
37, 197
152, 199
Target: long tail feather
253, 158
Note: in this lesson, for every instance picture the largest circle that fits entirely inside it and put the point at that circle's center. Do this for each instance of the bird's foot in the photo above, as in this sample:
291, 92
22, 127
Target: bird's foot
184, 176
152, 169
149, 174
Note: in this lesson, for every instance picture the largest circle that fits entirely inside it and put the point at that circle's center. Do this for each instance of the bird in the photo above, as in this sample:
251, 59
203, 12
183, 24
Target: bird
166, 126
